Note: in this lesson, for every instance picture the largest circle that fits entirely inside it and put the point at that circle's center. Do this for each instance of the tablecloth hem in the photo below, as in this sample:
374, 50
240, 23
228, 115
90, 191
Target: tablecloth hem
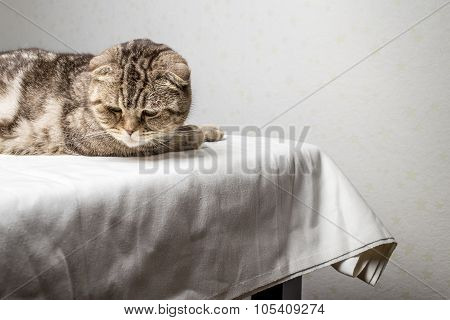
282, 274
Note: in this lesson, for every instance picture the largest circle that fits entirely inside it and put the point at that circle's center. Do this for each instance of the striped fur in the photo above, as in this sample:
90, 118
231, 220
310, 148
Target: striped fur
130, 100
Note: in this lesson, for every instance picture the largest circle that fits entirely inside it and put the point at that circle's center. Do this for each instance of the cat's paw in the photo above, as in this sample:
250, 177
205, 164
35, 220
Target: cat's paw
189, 137
212, 133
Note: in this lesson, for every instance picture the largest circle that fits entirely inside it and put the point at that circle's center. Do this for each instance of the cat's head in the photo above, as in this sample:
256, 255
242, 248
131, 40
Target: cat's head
139, 89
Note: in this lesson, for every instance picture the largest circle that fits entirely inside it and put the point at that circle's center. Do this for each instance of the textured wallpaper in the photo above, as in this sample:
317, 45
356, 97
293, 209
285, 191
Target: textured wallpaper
372, 79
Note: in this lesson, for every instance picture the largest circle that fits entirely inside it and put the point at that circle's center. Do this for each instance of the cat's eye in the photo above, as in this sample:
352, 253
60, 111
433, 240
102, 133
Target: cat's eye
114, 109
149, 114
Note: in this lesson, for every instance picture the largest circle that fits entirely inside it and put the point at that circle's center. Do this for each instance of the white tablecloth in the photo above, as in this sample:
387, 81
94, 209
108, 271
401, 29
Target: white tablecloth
221, 222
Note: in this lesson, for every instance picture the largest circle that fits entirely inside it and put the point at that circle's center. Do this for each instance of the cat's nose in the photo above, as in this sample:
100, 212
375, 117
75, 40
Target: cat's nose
130, 132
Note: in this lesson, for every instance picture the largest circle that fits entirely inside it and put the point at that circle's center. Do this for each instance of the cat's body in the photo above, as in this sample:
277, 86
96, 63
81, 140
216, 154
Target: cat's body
131, 100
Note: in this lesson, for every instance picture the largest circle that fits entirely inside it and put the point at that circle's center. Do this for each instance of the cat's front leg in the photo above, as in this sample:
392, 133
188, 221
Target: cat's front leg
212, 133
187, 137
196, 135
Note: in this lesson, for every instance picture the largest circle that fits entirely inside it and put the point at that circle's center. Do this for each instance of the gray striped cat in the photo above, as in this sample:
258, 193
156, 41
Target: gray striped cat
130, 100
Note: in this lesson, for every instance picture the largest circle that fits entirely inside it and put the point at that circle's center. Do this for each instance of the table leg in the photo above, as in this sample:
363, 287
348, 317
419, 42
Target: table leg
289, 290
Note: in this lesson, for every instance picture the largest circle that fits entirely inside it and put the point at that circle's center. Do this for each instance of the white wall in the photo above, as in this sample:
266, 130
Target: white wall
385, 122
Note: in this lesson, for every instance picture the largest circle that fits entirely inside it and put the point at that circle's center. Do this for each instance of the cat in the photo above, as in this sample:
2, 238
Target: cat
131, 100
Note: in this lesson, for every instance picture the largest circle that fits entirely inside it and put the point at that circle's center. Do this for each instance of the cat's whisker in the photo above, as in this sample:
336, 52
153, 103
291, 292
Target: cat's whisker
164, 145
95, 134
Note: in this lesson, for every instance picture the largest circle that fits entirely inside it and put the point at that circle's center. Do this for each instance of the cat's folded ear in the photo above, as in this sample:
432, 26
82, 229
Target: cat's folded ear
103, 66
179, 74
